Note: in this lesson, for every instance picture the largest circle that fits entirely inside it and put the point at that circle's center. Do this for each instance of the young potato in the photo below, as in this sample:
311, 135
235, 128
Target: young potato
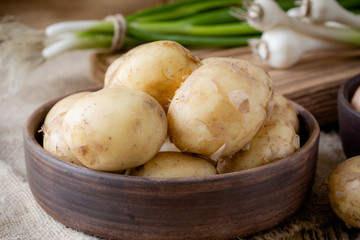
344, 191
61, 107
168, 146
53, 141
173, 165
286, 110
275, 140
157, 68
115, 129
355, 100
219, 108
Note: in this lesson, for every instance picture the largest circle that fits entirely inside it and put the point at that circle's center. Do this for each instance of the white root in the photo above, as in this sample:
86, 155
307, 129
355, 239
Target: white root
282, 48
320, 11
261, 15
267, 14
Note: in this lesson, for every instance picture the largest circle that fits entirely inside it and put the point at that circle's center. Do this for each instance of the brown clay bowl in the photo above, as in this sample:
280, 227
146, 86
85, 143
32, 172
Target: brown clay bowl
114, 206
349, 118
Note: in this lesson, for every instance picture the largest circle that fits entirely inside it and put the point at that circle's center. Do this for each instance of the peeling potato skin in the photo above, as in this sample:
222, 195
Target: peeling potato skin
344, 191
202, 117
110, 130
285, 110
172, 165
157, 68
276, 139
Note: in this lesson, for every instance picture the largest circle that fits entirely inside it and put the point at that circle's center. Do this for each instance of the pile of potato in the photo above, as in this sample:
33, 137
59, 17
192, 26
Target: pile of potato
163, 112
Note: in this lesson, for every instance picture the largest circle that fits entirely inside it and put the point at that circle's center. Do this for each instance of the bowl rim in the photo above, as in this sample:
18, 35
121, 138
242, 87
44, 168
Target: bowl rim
344, 94
30, 140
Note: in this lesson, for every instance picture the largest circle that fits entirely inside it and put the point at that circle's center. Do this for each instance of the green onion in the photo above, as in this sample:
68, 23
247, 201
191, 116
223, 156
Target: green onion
320, 11
267, 14
204, 41
189, 29
286, 35
180, 9
189, 22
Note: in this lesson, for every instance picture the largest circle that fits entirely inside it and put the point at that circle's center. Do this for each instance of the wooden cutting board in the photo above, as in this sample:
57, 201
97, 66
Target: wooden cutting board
313, 82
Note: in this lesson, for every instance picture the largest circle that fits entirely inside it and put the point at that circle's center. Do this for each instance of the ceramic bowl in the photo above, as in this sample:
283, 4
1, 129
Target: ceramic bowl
349, 118
114, 206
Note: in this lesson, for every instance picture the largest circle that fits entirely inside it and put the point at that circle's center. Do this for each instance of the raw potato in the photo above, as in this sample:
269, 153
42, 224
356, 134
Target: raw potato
219, 108
115, 129
355, 100
173, 165
53, 141
275, 140
157, 68
344, 191
285, 110
168, 146
62, 106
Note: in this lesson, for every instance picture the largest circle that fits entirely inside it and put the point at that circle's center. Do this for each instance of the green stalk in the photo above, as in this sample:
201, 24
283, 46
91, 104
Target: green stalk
286, 4
188, 29
184, 10
349, 4
188, 40
160, 8
102, 27
211, 17
189, 22
95, 41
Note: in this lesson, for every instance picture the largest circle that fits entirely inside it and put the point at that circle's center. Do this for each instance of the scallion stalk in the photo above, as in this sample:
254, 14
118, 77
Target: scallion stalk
217, 16
189, 22
267, 14
188, 40
178, 11
321, 11
189, 29
287, 35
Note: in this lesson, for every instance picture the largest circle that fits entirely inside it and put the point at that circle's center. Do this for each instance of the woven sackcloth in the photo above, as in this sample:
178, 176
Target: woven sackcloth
21, 217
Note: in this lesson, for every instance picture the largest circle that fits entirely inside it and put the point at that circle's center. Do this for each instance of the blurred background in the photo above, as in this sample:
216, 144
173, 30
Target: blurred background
39, 13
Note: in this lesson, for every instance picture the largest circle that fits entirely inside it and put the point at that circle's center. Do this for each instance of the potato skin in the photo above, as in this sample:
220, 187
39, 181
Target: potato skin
284, 109
168, 146
157, 68
62, 106
219, 108
355, 100
344, 191
275, 140
53, 141
174, 165
110, 130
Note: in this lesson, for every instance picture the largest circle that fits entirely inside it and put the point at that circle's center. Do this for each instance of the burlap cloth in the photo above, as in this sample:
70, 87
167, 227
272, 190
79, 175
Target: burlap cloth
22, 218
